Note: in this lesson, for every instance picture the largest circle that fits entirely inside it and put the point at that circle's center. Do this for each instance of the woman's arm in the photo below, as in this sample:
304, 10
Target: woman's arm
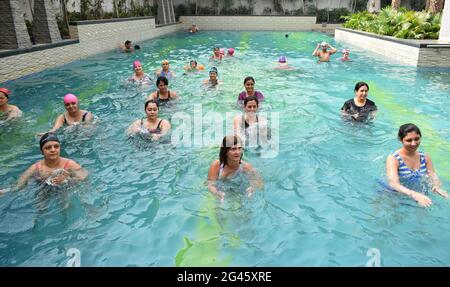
256, 181
434, 179
76, 171
23, 180
165, 127
394, 182
59, 122
316, 51
213, 175
133, 128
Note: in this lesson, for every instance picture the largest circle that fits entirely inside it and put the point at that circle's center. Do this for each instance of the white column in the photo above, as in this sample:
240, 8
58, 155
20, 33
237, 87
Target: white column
444, 34
164, 12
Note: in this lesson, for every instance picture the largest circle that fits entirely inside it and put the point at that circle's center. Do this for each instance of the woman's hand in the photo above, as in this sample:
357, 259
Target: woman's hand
156, 137
441, 192
421, 199
249, 191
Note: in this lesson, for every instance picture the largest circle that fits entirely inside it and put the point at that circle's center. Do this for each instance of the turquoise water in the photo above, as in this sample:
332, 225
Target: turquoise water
147, 205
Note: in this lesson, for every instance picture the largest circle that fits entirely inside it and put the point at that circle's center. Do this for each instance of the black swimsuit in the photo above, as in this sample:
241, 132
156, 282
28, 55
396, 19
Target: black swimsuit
152, 131
160, 101
83, 118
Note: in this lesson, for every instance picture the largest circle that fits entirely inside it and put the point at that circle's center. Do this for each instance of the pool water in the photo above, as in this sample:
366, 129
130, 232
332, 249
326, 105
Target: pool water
147, 204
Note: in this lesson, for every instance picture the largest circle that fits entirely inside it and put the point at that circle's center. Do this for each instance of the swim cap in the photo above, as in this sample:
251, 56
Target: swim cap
5, 91
47, 137
70, 98
213, 70
231, 51
222, 51
323, 44
136, 63
282, 59
345, 51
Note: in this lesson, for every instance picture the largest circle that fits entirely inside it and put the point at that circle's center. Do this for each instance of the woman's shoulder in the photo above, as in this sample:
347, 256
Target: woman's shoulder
370, 102
247, 166
215, 163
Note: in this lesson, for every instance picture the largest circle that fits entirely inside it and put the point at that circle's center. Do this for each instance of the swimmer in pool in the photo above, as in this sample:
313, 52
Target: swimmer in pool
162, 94
323, 53
73, 114
139, 76
228, 165
7, 111
213, 78
151, 126
53, 170
360, 108
249, 85
408, 166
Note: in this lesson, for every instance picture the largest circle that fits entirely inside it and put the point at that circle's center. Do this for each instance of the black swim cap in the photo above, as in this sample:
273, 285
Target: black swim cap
137, 47
48, 137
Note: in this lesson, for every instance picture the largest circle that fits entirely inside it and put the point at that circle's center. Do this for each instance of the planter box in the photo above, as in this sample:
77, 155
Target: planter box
420, 53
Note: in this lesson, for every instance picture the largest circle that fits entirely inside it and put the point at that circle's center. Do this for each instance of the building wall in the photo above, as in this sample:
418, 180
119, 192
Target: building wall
93, 39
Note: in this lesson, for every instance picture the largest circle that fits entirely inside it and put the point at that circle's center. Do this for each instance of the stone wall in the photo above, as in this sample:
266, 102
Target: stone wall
269, 23
12, 26
93, 37
422, 53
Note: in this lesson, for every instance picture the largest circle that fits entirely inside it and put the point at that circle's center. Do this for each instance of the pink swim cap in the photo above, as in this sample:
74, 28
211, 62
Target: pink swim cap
222, 51
231, 51
136, 63
70, 98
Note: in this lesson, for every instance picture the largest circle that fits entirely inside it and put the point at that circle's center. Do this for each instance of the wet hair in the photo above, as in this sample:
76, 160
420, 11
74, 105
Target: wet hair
361, 84
151, 101
249, 78
137, 47
193, 61
249, 99
48, 137
127, 42
227, 143
162, 79
216, 48
406, 129
286, 35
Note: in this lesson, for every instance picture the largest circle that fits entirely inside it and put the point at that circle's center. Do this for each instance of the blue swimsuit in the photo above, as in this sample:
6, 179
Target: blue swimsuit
408, 175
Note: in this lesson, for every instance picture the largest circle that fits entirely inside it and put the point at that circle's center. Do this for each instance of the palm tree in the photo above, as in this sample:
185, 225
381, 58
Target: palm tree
395, 4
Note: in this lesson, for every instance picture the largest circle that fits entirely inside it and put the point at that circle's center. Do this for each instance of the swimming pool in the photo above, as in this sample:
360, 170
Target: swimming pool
149, 206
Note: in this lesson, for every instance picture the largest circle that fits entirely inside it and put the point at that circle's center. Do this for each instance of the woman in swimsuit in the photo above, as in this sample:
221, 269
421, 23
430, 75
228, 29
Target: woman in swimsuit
408, 166
165, 70
162, 94
7, 111
53, 169
151, 126
249, 85
213, 79
249, 125
73, 114
139, 76
229, 164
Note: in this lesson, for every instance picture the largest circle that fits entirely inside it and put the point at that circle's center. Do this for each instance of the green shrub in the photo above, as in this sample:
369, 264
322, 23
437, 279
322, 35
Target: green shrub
400, 23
